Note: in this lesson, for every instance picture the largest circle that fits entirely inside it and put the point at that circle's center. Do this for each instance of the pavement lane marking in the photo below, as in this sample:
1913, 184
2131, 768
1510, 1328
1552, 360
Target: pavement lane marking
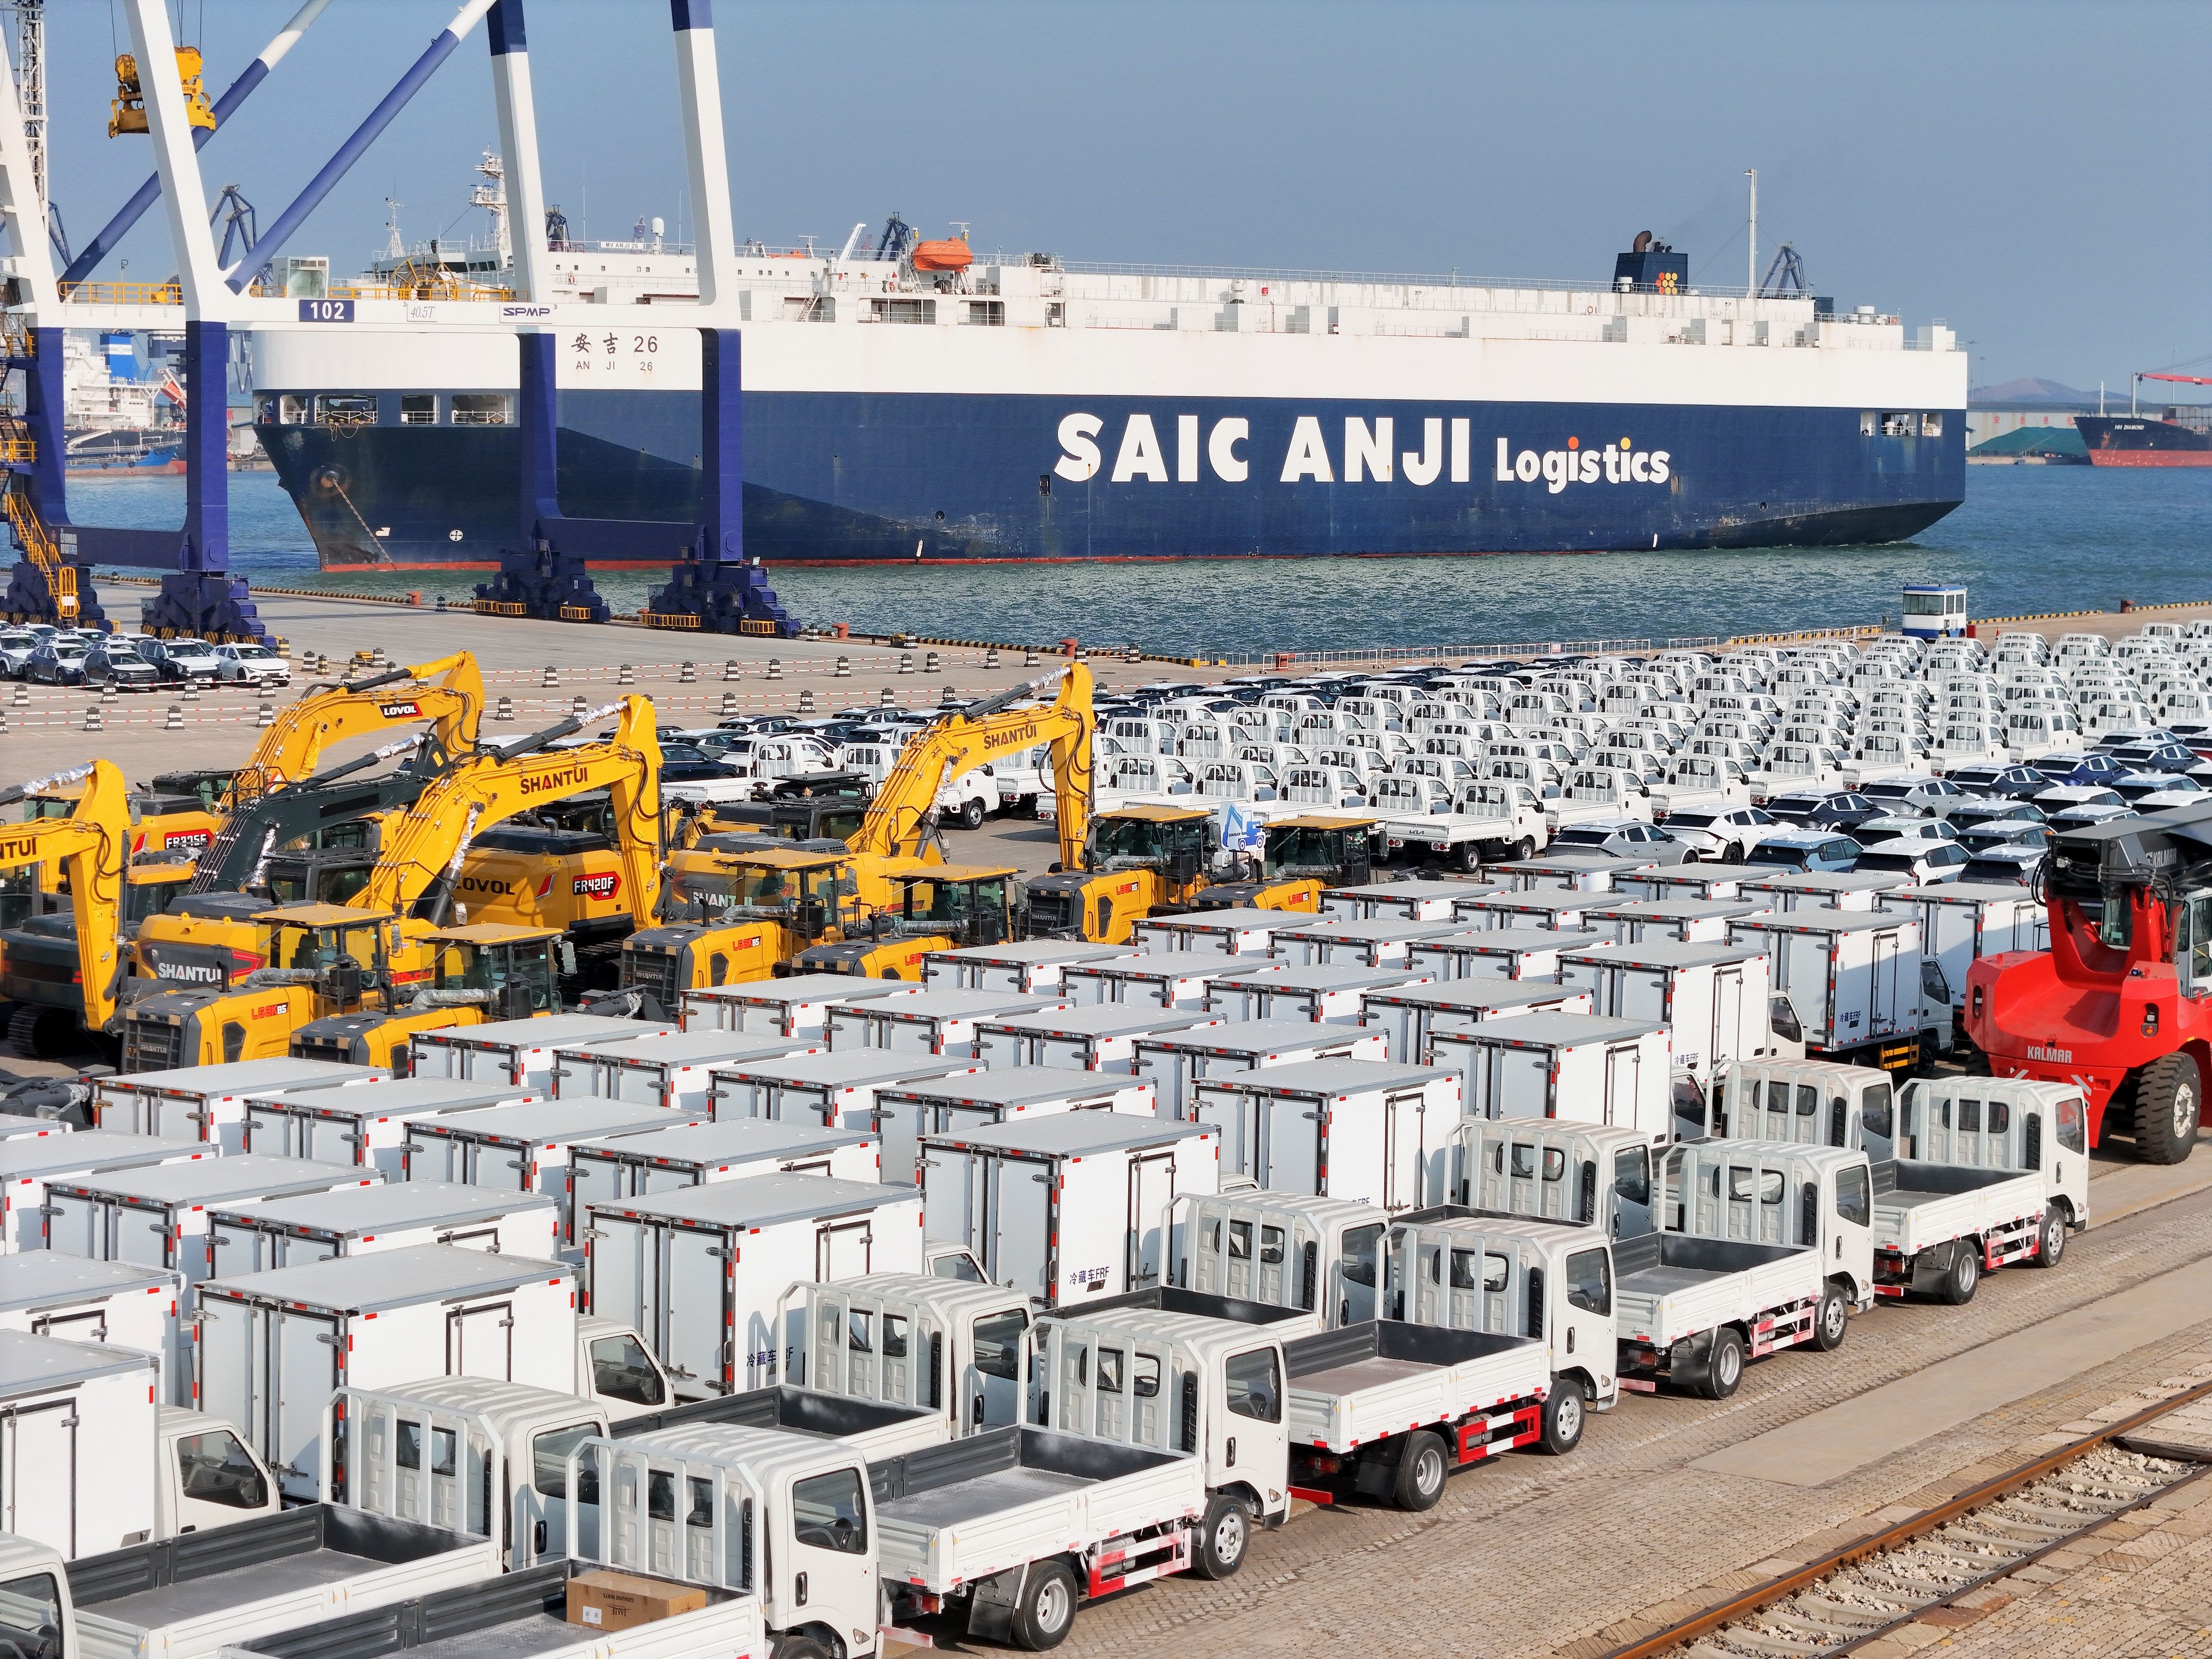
1829, 1445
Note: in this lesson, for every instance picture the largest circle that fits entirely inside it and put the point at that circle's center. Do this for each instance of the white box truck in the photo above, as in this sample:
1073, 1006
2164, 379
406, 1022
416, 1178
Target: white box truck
669, 1160
1961, 922
665, 1071
208, 1103
1552, 910
28, 1163
1101, 1037
272, 1346
1499, 952
834, 1091
253, 1236
518, 1051
1825, 890
1354, 941
1695, 879
1372, 1130
1716, 997
47, 1293
1851, 979
1176, 980
1070, 1207
797, 1006
1330, 994
1408, 901
951, 1106
704, 1272
365, 1124
1229, 932
1676, 921
1032, 968
1584, 1068
1174, 1062
1410, 1016
524, 1148
929, 1022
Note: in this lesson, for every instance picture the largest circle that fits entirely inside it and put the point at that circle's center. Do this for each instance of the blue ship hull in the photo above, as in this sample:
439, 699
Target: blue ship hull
852, 478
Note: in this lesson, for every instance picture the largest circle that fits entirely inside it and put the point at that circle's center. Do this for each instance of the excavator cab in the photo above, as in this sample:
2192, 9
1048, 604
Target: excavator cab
1299, 858
733, 917
485, 971
933, 906
514, 969
1136, 861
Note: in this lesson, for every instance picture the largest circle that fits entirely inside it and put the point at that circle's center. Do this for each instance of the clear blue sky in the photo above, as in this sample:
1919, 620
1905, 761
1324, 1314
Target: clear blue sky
2037, 174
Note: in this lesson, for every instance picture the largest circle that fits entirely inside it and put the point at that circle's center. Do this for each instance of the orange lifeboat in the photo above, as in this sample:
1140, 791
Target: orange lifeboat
952, 254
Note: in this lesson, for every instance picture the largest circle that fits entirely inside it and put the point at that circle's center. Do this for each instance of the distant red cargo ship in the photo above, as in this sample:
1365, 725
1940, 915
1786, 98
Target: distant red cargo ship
2181, 436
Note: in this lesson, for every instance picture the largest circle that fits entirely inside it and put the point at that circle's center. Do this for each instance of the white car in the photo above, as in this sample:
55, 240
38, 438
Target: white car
1918, 857
1725, 834
250, 664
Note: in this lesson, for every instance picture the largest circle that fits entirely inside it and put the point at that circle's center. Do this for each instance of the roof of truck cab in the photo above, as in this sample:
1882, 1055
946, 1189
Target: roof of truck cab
504, 1405
390, 1096
1019, 1085
1074, 1134
208, 1180
546, 1121
23, 1157
356, 1212
699, 1047
763, 1454
1551, 1030
40, 1279
32, 1365
1344, 1076
763, 1201
732, 1140
1259, 1036
946, 1296
389, 1278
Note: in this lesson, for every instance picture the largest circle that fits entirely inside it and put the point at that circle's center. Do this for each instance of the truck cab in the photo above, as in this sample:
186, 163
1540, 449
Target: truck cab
210, 1477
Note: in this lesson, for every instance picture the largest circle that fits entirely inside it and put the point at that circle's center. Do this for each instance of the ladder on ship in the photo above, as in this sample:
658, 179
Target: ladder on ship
18, 449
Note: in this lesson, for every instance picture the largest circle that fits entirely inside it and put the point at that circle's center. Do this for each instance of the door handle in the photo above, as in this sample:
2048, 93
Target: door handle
798, 1589
1571, 1338
538, 1538
1232, 1451
977, 1422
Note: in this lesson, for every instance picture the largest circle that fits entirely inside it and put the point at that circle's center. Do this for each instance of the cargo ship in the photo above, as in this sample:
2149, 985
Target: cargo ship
913, 401
2179, 436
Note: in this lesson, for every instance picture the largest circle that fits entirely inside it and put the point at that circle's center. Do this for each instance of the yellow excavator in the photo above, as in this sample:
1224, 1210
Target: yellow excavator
731, 916
90, 849
390, 941
1299, 857
446, 694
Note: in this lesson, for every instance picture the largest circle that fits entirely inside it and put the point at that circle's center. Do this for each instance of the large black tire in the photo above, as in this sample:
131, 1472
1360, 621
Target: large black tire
1423, 1463
971, 813
1047, 1612
1566, 1415
1965, 1277
1223, 1537
799, 1647
2168, 1096
2050, 1239
1724, 1369
1831, 1320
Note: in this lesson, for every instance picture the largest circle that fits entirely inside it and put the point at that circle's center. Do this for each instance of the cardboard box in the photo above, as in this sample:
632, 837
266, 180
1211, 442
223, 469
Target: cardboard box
601, 1600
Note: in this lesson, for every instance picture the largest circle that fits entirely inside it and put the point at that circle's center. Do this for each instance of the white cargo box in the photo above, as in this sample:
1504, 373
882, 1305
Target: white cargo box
798, 1007
272, 1346
1713, 996
1406, 901
159, 1215
1408, 1016
954, 1106
81, 1494
1173, 1061
130, 1305
1569, 872
1961, 922
1549, 909
1581, 1068
1372, 1131
1499, 952
257, 1235
703, 1272
665, 1071
929, 1022
1690, 880
733, 1149
1354, 942
1852, 976
1030, 969
1236, 932
1103, 1038
208, 1103
28, 1165
1067, 1207
518, 1051
13, 1128
831, 1092
1827, 890
524, 1148
1177, 980
363, 1125
1328, 995
1675, 921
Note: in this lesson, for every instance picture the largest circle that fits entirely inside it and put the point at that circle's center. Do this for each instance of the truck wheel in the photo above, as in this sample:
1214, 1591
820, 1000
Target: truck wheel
1422, 1467
1470, 857
1965, 1276
2168, 1097
1565, 1417
1047, 1610
799, 1647
1523, 850
2050, 1239
1223, 1537
971, 814
1831, 1320
1724, 1370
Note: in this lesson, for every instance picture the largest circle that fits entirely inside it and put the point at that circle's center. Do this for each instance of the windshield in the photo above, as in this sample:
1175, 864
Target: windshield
1308, 848
252, 653
320, 947
753, 889
954, 901
1769, 852
1119, 842
490, 967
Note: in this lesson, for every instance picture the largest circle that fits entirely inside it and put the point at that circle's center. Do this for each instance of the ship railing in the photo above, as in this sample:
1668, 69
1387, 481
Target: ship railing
124, 294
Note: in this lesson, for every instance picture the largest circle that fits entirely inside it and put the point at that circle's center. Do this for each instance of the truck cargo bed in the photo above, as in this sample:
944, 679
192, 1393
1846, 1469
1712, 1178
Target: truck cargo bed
1918, 1205
1671, 1286
1351, 1387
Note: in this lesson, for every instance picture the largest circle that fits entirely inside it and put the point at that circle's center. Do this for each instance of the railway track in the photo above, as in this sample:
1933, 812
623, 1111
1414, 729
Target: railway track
1849, 1597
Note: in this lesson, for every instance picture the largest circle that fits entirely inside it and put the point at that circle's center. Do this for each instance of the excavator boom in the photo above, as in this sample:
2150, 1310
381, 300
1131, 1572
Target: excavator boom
447, 693
92, 846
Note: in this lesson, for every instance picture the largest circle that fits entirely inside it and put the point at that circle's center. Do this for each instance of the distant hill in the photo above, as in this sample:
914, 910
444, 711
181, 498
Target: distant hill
2032, 389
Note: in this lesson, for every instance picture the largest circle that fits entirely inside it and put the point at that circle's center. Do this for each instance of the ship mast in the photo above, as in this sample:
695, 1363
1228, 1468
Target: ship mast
492, 199
31, 88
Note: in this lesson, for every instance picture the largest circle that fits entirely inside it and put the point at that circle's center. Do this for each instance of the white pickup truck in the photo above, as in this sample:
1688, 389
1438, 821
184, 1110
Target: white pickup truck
1421, 817
1971, 1173
965, 800
1592, 794
1758, 1247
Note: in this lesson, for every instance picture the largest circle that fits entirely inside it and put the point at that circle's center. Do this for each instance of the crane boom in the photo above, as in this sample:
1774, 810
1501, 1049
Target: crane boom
91, 847
448, 693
